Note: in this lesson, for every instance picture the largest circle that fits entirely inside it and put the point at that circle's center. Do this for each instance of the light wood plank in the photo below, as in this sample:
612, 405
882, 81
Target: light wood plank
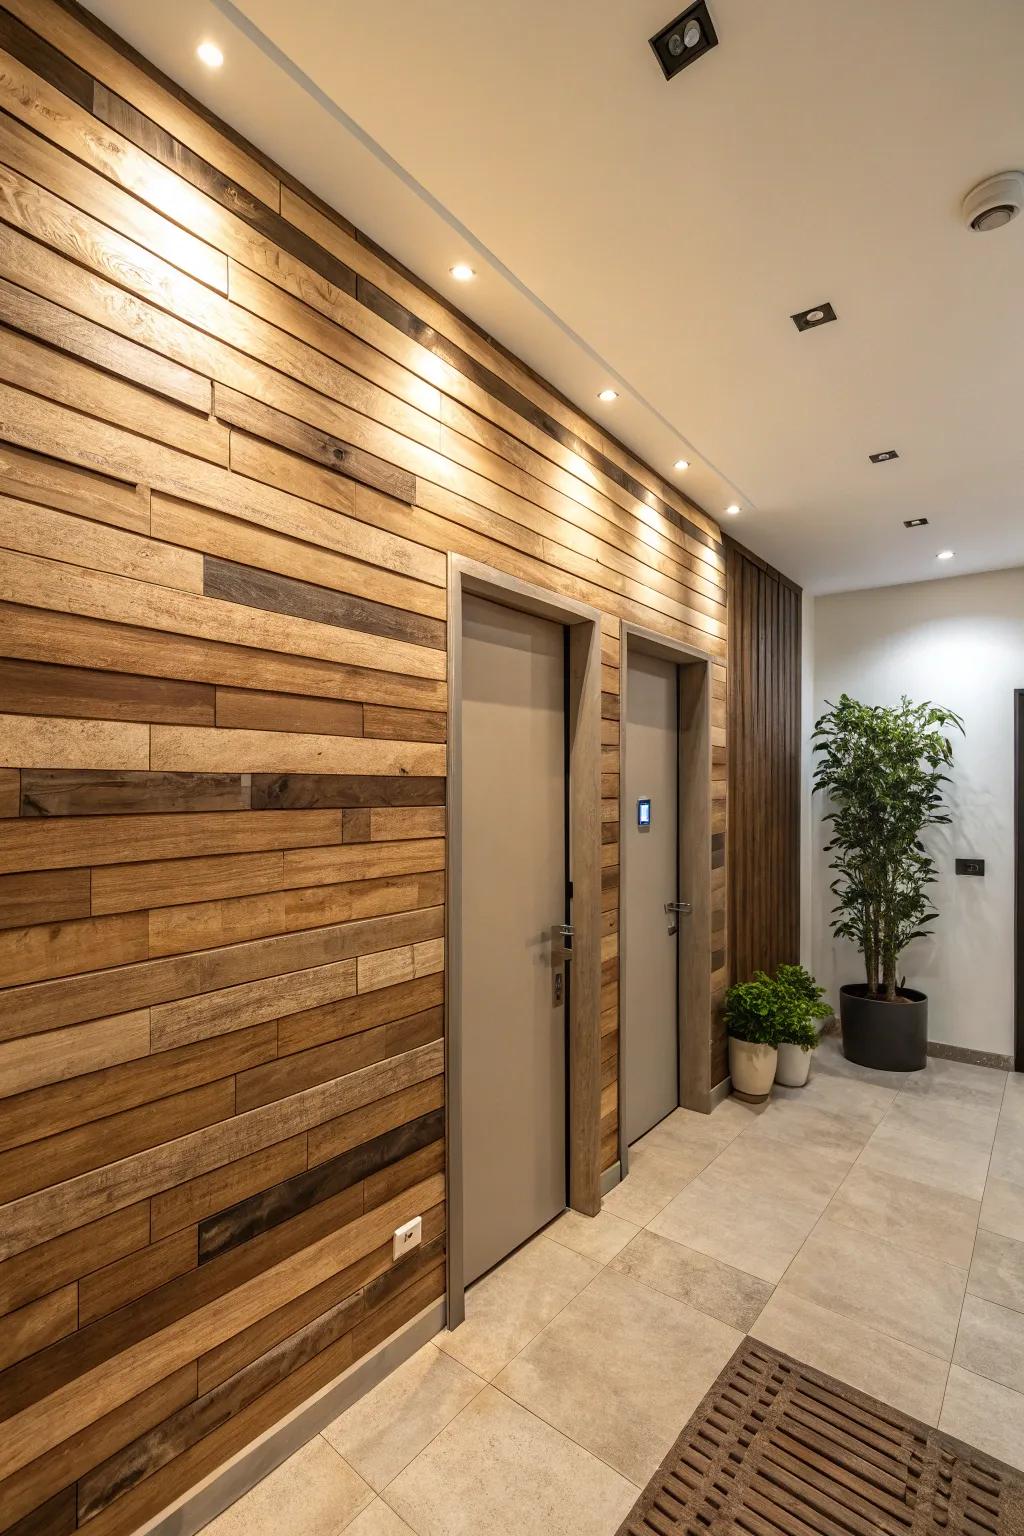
35, 530
67, 842
200, 750
65, 1053
28, 741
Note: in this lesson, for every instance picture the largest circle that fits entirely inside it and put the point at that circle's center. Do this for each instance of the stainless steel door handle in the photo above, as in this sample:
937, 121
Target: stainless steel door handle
561, 951
674, 908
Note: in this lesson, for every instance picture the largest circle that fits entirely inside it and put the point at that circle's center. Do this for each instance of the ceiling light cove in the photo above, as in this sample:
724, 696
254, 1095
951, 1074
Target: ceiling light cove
681, 464
607, 395
462, 272
732, 511
810, 319
209, 54
944, 554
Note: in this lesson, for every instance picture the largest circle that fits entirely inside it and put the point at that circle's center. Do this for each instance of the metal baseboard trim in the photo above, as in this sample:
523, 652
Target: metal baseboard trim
226, 1486
719, 1092
611, 1177
974, 1058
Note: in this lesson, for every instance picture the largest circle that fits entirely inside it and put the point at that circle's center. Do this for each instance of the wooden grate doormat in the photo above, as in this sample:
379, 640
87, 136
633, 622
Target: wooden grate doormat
778, 1449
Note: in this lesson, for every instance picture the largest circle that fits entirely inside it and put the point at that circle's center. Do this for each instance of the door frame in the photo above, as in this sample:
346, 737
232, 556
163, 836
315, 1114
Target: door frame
1018, 882
694, 829
583, 1038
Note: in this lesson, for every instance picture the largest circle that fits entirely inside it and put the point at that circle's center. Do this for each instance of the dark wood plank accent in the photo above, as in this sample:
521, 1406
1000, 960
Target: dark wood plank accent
764, 766
44, 60
282, 594
271, 1207
99, 792
312, 791
274, 426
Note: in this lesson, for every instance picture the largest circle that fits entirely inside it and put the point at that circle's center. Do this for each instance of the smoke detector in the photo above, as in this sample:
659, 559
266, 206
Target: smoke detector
995, 201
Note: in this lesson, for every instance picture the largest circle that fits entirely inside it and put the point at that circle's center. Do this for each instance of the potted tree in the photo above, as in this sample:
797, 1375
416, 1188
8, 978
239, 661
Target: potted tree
883, 771
801, 1001
752, 1022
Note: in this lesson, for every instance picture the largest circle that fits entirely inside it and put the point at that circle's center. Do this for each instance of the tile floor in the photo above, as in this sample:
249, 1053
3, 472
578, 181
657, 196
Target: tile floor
870, 1224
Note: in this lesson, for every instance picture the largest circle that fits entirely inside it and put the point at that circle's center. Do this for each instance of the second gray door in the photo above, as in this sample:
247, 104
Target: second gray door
651, 1013
513, 894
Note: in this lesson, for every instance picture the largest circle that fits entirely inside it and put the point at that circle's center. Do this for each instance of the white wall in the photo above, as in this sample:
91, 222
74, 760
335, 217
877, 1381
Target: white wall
959, 642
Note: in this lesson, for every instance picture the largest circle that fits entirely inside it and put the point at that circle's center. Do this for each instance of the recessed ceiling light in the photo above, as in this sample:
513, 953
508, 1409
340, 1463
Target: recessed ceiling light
732, 511
462, 272
915, 522
607, 394
944, 554
883, 457
808, 319
210, 55
681, 464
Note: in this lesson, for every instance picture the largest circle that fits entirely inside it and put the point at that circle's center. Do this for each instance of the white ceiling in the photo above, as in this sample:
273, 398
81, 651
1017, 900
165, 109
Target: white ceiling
660, 234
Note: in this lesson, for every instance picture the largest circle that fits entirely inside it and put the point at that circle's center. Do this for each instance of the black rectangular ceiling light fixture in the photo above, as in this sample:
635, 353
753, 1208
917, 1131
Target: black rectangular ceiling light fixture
915, 522
883, 457
689, 37
810, 319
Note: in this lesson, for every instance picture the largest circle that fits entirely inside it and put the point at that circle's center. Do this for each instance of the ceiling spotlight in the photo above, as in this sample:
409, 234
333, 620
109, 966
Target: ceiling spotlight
607, 394
807, 319
994, 202
689, 37
915, 522
732, 511
883, 457
462, 272
210, 55
681, 464
944, 554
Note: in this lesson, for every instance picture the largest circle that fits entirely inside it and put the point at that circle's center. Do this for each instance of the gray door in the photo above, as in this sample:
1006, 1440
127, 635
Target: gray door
513, 894
651, 1027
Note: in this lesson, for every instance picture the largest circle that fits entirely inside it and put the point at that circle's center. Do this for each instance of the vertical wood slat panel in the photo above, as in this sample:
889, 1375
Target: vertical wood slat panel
764, 765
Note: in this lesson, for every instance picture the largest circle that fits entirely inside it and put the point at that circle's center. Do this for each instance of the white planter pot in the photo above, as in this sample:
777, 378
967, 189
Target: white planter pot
794, 1066
752, 1068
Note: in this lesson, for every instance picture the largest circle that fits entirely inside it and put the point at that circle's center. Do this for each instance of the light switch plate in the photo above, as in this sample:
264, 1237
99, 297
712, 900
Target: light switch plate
407, 1237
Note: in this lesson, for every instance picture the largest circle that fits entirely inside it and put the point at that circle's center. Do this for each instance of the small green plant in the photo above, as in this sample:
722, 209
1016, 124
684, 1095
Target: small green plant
776, 1010
797, 1025
751, 1010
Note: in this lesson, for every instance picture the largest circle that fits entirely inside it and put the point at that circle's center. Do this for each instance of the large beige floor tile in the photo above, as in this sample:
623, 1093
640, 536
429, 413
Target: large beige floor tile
829, 1059
1002, 1208
313, 1493
932, 1221
934, 1159
686, 1127
985, 1414
896, 1373
904, 1294
991, 1342
997, 1270
508, 1307
731, 1295
758, 1233
597, 1237
621, 1370
388, 1427
958, 1081
1008, 1152
378, 1519
846, 1095
656, 1175
498, 1469
777, 1170
816, 1127
969, 1122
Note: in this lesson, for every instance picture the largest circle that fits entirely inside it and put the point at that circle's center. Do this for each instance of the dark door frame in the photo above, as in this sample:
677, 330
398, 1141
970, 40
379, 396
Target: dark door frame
1018, 902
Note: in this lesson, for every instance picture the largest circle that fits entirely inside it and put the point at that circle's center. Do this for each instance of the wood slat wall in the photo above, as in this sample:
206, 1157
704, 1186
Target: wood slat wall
764, 763
236, 447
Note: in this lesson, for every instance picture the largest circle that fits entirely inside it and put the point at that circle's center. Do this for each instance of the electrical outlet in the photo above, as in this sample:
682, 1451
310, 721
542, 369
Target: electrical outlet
407, 1237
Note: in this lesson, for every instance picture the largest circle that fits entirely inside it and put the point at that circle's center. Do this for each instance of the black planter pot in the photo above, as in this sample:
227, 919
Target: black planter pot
890, 1036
